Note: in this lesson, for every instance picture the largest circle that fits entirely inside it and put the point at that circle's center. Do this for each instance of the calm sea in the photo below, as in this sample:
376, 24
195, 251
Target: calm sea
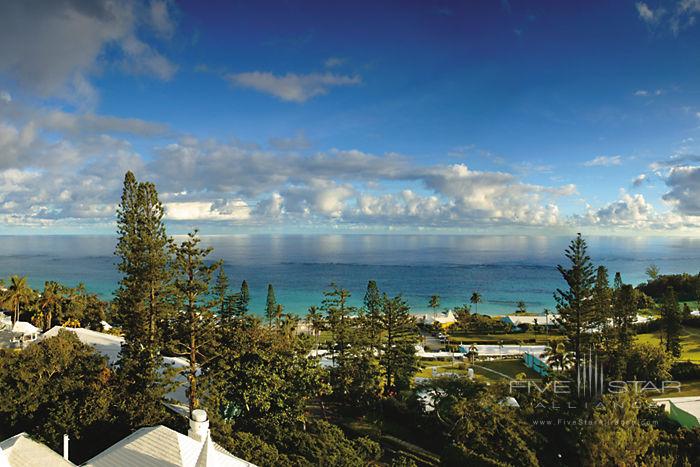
504, 269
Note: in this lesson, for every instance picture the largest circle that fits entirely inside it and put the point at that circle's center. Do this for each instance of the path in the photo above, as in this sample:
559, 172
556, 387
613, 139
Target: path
493, 371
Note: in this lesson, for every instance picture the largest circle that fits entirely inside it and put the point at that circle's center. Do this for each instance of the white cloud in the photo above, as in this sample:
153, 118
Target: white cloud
639, 180
160, 15
53, 47
647, 14
292, 87
5, 97
603, 161
236, 210
684, 194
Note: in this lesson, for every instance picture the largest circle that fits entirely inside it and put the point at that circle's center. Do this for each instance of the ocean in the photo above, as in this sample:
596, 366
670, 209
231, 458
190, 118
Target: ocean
504, 269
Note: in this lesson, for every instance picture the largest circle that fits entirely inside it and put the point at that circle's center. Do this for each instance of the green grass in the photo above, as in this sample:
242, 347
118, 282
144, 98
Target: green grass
690, 342
511, 338
509, 368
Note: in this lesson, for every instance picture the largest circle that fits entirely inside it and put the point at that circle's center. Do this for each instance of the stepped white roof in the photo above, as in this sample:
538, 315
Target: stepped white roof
22, 451
25, 328
108, 345
161, 446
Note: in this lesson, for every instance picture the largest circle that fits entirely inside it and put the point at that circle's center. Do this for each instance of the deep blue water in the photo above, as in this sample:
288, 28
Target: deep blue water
504, 269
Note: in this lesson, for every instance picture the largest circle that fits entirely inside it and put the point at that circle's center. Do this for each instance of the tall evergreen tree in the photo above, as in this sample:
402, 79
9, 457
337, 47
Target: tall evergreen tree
671, 319
621, 333
270, 305
373, 304
243, 299
602, 304
141, 301
574, 304
196, 321
221, 289
399, 339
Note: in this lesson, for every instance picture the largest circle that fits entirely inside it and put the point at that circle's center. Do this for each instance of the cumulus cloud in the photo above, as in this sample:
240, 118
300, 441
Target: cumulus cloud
292, 87
639, 180
603, 161
647, 14
53, 47
684, 194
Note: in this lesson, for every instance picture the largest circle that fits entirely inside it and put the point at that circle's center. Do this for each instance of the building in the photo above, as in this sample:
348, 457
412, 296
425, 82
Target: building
110, 345
153, 446
684, 410
528, 321
17, 335
445, 320
22, 451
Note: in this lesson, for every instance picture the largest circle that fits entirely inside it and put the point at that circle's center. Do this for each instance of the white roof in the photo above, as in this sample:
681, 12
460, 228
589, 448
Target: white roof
22, 451
530, 320
107, 344
161, 446
441, 318
25, 328
110, 345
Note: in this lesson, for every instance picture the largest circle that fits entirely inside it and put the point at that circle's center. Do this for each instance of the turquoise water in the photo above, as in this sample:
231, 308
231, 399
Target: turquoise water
504, 269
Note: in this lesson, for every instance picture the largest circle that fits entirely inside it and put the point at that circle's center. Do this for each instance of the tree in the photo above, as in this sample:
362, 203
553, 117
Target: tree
434, 302
50, 303
671, 321
373, 305
261, 382
521, 307
141, 302
270, 305
56, 386
17, 295
602, 301
197, 322
475, 300
243, 299
399, 339
314, 321
221, 289
648, 362
574, 303
616, 436
556, 356
144, 251
653, 272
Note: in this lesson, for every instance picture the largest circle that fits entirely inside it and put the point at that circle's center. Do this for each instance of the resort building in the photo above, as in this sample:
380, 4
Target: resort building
444, 319
18, 335
150, 446
527, 321
110, 345
684, 410
22, 451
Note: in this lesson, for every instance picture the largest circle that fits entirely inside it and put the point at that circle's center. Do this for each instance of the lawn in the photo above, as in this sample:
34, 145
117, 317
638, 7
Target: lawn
510, 338
690, 342
509, 368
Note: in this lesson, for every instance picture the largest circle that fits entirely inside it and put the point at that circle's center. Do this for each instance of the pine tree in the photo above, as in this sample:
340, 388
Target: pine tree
270, 305
221, 289
670, 314
196, 322
399, 338
621, 333
574, 303
141, 301
373, 304
602, 304
243, 299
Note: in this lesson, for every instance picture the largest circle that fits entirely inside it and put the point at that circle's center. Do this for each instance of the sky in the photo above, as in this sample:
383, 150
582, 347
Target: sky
303, 116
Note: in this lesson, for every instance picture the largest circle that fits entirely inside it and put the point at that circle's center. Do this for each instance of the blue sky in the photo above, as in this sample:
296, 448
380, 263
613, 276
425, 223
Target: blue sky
293, 116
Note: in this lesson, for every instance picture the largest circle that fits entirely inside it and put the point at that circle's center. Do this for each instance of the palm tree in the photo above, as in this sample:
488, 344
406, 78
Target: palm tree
49, 302
476, 299
473, 352
16, 295
557, 356
315, 322
434, 302
546, 320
